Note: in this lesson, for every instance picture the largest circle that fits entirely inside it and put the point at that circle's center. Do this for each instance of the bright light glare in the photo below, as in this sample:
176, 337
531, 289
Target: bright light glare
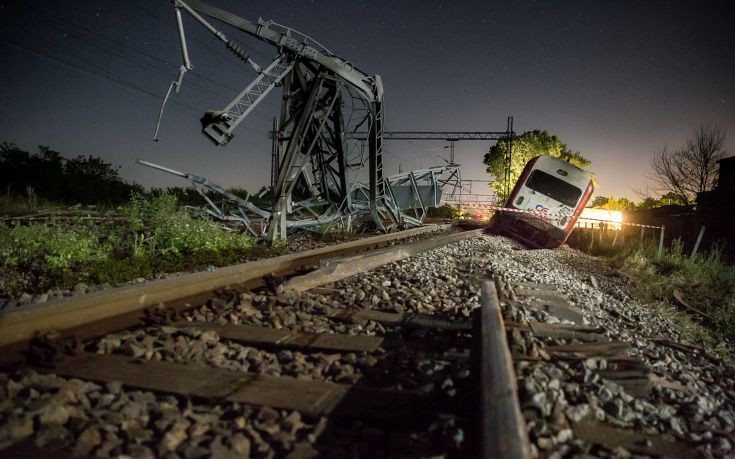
613, 217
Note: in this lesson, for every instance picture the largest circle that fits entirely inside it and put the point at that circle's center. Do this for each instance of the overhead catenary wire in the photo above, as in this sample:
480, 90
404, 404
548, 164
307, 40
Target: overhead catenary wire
105, 75
105, 44
206, 44
112, 47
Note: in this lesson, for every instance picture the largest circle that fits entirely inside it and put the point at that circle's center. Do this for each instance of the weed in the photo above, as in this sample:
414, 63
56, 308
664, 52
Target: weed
155, 236
160, 226
58, 247
279, 246
705, 282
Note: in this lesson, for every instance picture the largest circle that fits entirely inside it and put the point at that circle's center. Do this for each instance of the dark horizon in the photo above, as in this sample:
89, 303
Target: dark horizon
613, 81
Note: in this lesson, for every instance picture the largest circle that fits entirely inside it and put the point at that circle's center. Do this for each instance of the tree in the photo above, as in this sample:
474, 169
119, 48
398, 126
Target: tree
525, 147
649, 202
603, 202
691, 169
599, 201
83, 179
618, 204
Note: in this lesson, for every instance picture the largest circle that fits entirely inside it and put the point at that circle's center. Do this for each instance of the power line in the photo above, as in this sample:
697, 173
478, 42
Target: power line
106, 75
136, 50
120, 50
204, 43
209, 46
106, 48
102, 43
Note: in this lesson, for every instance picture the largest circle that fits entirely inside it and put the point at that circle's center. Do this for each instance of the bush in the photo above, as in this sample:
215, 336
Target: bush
155, 236
706, 282
81, 179
446, 211
58, 247
161, 227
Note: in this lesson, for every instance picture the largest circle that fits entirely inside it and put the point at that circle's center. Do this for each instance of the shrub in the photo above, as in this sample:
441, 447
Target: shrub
155, 236
706, 282
161, 227
59, 247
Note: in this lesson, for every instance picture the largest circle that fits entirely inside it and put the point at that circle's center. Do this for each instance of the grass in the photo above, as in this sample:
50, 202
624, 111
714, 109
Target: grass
12, 205
705, 282
154, 236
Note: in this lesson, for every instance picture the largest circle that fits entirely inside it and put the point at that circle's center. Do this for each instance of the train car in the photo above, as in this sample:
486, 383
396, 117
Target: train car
553, 193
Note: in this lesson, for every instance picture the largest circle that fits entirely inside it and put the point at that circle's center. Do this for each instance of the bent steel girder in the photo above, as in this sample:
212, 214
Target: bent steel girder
326, 101
298, 44
415, 191
230, 208
300, 48
219, 125
311, 179
421, 189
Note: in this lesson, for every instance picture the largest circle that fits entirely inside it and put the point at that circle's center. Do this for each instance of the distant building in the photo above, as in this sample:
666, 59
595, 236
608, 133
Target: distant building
726, 179
716, 208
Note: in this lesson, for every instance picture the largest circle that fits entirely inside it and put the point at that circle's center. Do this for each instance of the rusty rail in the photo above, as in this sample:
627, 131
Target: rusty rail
342, 268
96, 314
500, 428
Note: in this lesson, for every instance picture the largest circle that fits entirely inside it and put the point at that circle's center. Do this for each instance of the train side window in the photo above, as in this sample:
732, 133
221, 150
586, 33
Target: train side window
554, 188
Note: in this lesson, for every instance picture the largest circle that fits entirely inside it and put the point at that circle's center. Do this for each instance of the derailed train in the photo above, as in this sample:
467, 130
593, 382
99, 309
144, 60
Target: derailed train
545, 203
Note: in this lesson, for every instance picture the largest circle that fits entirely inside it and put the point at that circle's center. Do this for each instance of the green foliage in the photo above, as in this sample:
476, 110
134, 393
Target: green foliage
666, 200
526, 147
279, 246
161, 227
706, 282
155, 236
58, 247
446, 212
82, 179
604, 202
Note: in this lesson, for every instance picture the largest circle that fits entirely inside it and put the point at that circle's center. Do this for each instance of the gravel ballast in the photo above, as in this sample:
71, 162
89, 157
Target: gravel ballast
109, 420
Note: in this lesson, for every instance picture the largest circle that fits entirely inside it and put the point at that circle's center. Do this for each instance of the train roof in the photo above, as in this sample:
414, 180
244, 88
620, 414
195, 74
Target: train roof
576, 174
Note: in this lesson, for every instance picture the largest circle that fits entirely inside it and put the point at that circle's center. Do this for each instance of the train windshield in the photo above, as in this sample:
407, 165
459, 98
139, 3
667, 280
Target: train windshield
554, 188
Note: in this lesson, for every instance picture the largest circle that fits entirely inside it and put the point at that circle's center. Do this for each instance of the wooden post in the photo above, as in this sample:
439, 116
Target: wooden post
615, 239
643, 229
622, 234
500, 428
696, 244
592, 240
661, 241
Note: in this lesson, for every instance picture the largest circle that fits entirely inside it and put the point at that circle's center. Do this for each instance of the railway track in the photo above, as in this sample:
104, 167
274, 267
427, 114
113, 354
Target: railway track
394, 351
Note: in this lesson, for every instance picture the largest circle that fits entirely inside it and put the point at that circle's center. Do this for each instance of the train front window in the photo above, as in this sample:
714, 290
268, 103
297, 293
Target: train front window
554, 188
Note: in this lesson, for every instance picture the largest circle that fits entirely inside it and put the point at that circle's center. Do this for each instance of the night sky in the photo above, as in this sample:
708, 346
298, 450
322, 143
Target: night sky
614, 80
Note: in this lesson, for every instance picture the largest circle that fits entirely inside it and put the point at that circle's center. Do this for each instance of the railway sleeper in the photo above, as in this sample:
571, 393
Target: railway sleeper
313, 398
601, 357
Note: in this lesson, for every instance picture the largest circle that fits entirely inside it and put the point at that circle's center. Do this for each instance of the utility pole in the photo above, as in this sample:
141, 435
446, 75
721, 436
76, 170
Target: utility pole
451, 150
509, 155
275, 162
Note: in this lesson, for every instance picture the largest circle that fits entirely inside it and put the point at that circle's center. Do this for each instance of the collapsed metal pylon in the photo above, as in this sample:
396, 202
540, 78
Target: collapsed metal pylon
327, 104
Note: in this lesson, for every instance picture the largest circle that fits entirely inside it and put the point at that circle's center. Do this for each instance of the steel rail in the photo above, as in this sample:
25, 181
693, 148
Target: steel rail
500, 428
342, 268
96, 314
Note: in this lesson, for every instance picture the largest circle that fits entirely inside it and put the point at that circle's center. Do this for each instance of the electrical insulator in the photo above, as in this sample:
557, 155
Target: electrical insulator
237, 51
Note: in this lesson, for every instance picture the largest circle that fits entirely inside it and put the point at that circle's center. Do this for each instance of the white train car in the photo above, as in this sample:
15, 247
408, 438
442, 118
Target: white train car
552, 194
